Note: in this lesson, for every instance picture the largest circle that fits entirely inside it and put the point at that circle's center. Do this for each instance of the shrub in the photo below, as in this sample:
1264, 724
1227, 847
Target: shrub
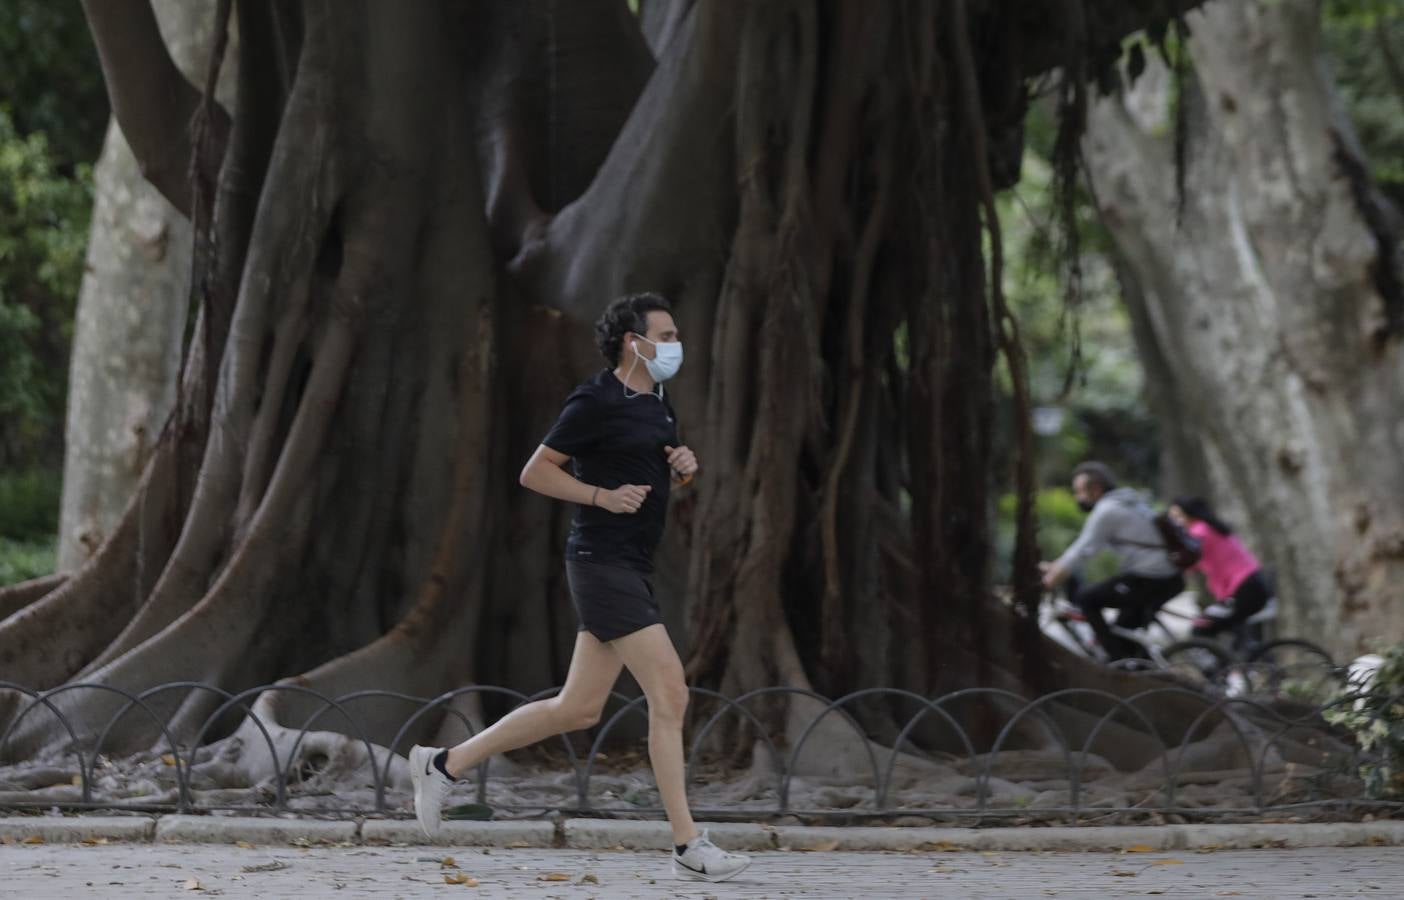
23, 560
1374, 714
43, 234
29, 504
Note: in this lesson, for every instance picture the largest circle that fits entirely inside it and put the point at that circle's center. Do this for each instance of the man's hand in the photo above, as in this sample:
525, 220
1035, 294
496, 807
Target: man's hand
683, 463
1053, 575
625, 499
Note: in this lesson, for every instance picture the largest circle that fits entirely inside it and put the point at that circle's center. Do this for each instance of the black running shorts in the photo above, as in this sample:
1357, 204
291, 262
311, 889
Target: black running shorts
611, 601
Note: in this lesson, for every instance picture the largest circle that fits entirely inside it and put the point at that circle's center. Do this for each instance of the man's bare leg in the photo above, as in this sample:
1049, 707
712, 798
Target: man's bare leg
651, 658
594, 667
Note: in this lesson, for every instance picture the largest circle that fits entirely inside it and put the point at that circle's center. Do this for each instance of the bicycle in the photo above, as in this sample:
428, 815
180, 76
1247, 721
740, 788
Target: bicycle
1255, 665
1252, 665
1163, 647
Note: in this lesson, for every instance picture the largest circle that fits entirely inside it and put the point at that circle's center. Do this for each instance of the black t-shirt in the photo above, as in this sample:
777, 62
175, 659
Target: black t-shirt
613, 440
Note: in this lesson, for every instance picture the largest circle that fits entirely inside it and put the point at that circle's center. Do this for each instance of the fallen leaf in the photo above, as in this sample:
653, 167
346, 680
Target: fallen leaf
944, 846
460, 878
8, 839
192, 884
448, 863
1140, 848
243, 845
93, 842
76, 781
553, 876
1123, 873
517, 845
1167, 862
589, 878
475, 812
823, 847
169, 759
33, 839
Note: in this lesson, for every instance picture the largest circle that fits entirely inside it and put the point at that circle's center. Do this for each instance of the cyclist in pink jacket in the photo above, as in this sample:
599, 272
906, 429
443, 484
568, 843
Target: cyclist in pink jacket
1234, 576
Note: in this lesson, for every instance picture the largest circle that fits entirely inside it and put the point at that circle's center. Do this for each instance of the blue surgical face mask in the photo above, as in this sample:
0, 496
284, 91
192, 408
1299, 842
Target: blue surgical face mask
668, 358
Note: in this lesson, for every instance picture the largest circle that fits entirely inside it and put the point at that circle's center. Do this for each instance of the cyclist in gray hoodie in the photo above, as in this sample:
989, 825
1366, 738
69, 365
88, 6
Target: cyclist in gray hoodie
1120, 520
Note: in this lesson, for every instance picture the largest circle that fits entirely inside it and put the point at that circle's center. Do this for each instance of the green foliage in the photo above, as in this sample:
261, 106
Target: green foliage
50, 80
1360, 13
1110, 376
1102, 410
23, 560
53, 113
29, 502
43, 235
48, 213
1376, 719
1365, 42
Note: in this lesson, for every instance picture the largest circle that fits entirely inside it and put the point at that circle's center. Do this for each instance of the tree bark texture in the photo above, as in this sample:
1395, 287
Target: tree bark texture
129, 328
1269, 314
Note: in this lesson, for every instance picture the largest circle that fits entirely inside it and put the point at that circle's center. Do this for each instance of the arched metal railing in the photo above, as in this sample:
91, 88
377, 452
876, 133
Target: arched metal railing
978, 730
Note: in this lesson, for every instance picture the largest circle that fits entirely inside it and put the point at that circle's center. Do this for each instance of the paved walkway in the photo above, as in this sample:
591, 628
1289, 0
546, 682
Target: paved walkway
144, 870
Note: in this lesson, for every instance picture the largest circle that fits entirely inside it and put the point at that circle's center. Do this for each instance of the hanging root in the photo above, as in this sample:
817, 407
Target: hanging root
1027, 592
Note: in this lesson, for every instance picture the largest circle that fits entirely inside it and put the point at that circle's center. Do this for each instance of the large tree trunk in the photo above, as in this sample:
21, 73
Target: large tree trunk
128, 333
1270, 314
129, 327
420, 210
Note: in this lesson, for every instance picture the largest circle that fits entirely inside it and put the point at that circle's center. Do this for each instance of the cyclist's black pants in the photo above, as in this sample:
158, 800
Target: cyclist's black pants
1251, 595
1136, 596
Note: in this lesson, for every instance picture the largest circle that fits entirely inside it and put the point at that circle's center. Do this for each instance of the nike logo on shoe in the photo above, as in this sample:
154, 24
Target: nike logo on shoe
700, 870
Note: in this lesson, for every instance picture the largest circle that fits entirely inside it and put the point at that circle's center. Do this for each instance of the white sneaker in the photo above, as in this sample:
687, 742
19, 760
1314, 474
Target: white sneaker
705, 861
431, 788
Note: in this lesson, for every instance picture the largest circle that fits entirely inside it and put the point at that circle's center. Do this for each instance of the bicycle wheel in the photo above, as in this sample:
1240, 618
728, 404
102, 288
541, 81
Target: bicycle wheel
1287, 650
1197, 659
1292, 667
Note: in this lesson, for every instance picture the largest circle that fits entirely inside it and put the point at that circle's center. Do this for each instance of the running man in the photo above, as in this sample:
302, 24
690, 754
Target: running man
619, 433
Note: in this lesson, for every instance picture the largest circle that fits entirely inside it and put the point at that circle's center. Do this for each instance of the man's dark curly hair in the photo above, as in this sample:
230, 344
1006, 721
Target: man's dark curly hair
627, 314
